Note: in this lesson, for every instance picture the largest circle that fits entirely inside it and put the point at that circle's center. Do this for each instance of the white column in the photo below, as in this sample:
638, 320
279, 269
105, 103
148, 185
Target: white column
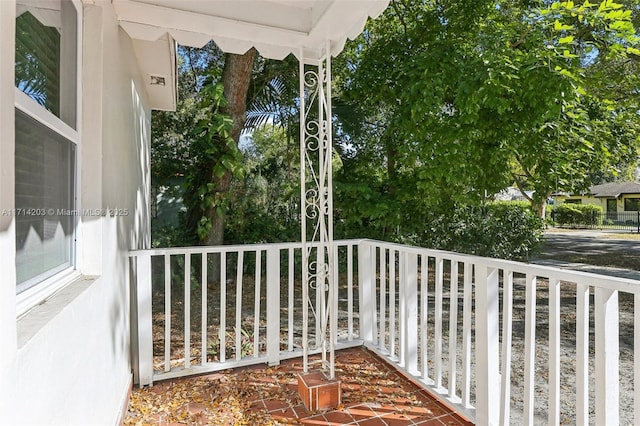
144, 371
316, 194
487, 347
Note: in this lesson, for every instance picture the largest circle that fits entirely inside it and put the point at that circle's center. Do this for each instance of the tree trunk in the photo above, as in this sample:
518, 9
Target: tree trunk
540, 205
236, 76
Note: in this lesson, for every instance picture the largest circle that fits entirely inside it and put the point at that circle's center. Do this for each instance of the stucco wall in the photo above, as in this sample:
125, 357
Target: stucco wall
8, 342
68, 361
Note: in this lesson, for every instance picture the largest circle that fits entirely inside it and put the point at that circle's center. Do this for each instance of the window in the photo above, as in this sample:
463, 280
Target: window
44, 200
632, 204
46, 69
573, 201
46, 44
612, 205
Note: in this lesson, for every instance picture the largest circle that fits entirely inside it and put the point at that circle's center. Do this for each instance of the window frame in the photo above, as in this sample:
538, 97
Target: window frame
35, 294
635, 200
573, 201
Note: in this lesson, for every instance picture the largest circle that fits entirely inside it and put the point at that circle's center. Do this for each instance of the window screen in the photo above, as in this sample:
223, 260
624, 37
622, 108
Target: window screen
44, 197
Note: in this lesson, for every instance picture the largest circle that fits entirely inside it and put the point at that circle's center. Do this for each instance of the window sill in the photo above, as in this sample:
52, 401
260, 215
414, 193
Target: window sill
32, 321
44, 290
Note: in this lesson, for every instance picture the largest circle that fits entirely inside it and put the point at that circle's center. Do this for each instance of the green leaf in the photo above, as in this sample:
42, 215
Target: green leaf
558, 26
633, 50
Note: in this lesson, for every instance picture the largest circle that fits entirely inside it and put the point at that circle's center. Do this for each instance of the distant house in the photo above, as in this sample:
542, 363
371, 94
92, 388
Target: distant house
613, 197
512, 194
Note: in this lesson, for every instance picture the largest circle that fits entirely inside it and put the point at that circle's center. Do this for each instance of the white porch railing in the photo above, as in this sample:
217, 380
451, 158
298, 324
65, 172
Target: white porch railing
505, 342
249, 311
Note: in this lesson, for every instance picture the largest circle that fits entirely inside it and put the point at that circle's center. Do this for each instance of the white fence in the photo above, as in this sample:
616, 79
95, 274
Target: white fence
505, 342
249, 311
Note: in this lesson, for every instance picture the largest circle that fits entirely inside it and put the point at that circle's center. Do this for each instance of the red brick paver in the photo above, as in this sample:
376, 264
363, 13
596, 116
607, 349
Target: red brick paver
373, 393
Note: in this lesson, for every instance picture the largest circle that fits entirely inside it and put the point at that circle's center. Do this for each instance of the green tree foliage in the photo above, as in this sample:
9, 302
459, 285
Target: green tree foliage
264, 205
213, 153
198, 143
455, 100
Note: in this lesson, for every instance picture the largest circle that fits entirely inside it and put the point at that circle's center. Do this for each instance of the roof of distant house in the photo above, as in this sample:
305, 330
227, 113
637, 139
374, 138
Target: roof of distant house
609, 190
615, 189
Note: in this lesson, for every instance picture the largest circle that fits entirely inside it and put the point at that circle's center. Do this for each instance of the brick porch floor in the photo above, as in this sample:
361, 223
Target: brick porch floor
373, 393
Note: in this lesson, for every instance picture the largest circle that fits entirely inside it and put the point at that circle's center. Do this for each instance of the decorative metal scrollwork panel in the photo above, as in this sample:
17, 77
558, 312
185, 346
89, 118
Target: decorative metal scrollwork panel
317, 209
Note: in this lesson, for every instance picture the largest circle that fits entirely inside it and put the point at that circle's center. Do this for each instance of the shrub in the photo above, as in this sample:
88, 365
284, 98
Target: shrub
506, 230
578, 215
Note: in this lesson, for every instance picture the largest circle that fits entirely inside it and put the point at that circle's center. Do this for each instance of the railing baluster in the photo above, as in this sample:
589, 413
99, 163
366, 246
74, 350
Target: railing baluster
392, 302
636, 355
256, 306
466, 335
223, 306
335, 293
529, 348
290, 318
453, 328
607, 336
350, 292
383, 298
582, 354
424, 318
374, 302
239, 276
438, 322
554, 351
204, 284
187, 310
411, 312
402, 307
366, 291
320, 297
167, 312
507, 336
273, 304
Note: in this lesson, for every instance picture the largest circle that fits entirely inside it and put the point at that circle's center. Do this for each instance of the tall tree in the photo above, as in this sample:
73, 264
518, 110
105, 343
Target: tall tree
236, 76
199, 143
473, 94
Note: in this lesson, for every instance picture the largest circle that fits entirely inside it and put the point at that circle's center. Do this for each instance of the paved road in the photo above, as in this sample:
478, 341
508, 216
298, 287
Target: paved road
577, 243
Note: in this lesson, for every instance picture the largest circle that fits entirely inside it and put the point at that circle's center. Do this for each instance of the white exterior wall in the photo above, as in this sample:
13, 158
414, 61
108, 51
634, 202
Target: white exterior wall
8, 342
68, 361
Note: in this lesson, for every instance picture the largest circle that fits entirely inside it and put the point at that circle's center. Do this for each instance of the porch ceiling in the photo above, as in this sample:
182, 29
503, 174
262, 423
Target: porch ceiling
275, 28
